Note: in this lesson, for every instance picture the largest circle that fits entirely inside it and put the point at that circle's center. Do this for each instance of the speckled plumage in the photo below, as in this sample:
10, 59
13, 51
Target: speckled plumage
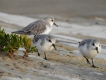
42, 26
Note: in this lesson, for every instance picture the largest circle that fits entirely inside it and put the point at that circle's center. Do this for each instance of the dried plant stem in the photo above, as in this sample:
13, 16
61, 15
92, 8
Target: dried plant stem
11, 54
25, 54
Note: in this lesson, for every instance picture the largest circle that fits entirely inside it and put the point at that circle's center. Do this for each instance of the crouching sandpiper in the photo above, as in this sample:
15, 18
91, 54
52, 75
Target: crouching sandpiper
44, 43
89, 48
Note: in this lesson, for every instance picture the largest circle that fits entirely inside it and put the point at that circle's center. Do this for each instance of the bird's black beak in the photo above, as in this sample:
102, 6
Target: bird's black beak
54, 46
97, 49
55, 24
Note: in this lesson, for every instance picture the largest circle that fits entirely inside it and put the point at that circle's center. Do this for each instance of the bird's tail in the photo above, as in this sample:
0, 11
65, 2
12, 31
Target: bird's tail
18, 32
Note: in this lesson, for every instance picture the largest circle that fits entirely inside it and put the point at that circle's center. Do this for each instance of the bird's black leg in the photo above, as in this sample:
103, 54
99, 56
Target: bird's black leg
38, 53
87, 60
45, 56
93, 63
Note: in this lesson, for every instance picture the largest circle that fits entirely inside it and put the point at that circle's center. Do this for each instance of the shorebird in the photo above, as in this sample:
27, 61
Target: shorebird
42, 26
44, 43
89, 48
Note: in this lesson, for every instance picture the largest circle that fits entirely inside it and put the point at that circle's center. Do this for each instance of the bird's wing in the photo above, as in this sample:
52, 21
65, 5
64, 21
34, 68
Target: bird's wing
82, 43
86, 41
33, 28
36, 38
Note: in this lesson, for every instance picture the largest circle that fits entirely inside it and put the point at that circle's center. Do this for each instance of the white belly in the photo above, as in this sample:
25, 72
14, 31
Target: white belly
47, 30
44, 48
88, 53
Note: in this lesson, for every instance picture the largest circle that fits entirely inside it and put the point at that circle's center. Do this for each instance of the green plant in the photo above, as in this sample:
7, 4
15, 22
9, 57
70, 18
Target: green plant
26, 43
2, 39
10, 43
13, 44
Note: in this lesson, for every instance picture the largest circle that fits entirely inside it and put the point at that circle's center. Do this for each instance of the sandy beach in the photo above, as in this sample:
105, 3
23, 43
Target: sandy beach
64, 64
77, 20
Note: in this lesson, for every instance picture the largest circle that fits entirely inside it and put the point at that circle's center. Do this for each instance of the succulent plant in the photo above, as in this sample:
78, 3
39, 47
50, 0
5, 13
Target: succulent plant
2, 39
26, 43
10, 43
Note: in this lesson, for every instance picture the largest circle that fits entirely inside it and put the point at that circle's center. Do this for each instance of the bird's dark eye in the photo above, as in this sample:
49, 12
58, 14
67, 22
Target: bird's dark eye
49, 40
52, 20
93, 44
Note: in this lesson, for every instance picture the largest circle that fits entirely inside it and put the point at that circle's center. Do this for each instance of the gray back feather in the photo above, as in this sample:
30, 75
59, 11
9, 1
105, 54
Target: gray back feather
42, 37
33, 28
36, 38
88, 41
85, 41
